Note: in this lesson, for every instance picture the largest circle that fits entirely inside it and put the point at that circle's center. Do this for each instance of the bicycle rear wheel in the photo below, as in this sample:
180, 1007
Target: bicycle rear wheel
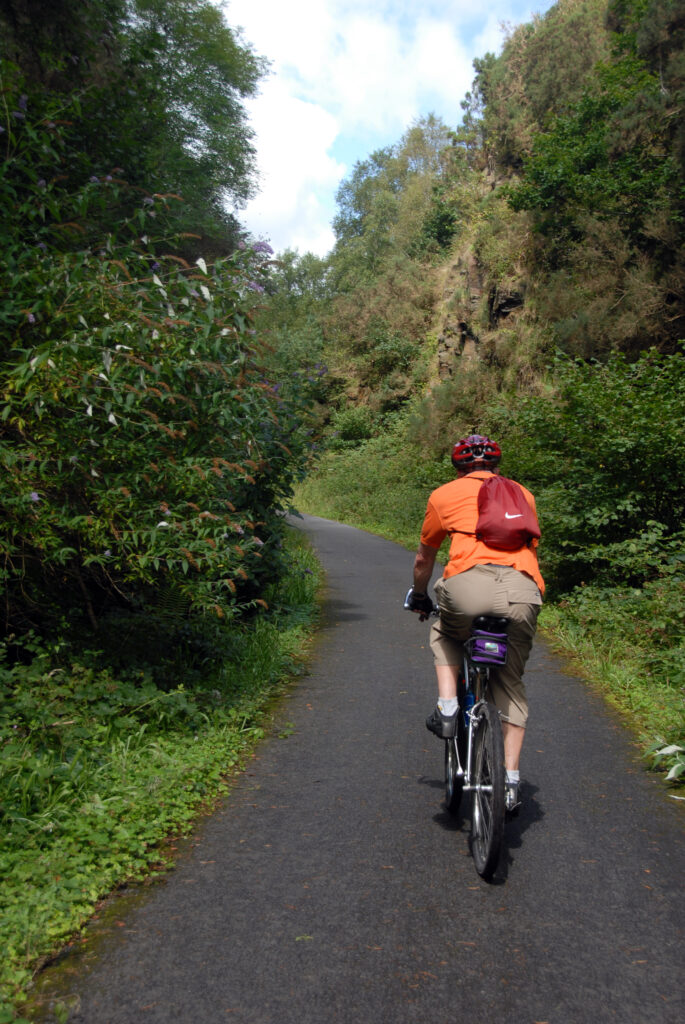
487, 819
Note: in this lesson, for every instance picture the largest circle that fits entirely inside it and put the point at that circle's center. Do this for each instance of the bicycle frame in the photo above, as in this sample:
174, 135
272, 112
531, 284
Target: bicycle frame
472, 715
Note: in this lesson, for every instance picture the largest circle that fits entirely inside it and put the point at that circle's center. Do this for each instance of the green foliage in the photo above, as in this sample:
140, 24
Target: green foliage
161, 85
289, 317
380, 484
605, 184
602, 455
142, 445
671, 755
349, 427
538, 75
384, 204
99, 769
578, 166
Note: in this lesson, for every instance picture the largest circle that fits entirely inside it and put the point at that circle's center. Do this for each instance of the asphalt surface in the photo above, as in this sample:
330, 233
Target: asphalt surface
331, 886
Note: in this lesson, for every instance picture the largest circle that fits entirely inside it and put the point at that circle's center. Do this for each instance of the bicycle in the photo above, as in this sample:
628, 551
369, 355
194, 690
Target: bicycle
474, 758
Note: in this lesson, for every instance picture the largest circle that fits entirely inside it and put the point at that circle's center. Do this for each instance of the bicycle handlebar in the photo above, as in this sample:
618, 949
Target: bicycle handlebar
423, 615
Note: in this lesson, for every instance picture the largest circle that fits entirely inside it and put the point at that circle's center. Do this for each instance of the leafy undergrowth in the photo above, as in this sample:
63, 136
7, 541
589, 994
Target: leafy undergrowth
99, 769
629, 644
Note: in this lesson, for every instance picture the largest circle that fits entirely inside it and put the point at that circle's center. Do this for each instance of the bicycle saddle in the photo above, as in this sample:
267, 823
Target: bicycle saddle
490, 623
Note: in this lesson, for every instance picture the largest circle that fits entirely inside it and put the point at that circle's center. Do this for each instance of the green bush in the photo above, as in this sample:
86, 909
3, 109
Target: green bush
349, 427
603, 456
144, 449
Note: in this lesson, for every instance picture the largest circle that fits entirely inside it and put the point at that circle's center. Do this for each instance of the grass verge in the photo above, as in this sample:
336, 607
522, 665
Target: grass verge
98, 770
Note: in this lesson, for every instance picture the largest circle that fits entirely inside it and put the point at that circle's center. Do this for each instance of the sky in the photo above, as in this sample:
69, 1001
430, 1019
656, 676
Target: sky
347, 77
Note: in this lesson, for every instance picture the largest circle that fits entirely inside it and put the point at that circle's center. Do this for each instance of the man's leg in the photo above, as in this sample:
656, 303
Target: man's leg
447, 680
513, 742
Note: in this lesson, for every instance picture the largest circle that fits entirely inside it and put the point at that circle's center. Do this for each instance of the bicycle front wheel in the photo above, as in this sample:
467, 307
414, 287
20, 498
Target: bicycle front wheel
455, 755
487, 819
454, 782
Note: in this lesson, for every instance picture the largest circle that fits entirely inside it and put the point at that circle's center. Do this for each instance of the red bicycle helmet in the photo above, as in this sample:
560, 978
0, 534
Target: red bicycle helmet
476, 452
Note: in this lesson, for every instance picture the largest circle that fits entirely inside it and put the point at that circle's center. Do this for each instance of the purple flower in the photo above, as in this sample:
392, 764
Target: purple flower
34, 496
42, 246
262, 247
156, 266
241, 244
41, 183
31, 318
94, 179
19, 115
23, 100
147, 201
253, 286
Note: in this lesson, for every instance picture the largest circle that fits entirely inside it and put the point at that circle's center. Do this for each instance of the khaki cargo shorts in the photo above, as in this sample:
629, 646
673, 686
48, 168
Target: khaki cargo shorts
490, 590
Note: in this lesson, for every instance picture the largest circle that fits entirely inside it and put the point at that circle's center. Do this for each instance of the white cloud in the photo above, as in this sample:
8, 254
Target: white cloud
350, 75
294, 139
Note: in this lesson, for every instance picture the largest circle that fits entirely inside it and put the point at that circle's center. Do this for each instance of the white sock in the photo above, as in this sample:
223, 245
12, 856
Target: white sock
513, 775
448, 705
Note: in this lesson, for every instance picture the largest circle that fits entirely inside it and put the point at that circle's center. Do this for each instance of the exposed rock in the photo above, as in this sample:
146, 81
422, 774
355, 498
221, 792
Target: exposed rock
462, 295
502, 302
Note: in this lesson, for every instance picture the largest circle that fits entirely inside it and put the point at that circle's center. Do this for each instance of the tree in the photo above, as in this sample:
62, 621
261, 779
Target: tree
383, 204
160, 86
542, 69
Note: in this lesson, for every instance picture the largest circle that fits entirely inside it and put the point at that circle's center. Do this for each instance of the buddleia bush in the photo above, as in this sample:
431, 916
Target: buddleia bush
143, 448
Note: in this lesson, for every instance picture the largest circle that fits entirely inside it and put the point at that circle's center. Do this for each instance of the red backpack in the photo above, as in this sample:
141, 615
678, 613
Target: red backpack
505, 519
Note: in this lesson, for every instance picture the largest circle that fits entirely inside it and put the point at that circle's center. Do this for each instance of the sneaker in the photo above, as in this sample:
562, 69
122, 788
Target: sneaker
512, 802
444, 726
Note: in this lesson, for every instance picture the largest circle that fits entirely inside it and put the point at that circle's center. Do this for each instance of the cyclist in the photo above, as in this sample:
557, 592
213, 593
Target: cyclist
478, 580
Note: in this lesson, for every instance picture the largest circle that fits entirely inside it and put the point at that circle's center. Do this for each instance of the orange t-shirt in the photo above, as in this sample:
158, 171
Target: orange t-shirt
454, 506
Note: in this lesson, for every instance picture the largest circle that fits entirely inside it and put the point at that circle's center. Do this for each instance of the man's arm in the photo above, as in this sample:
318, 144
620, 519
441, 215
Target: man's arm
424, 564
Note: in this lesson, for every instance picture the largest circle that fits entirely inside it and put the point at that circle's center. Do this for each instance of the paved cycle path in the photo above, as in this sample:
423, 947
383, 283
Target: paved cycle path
332, 887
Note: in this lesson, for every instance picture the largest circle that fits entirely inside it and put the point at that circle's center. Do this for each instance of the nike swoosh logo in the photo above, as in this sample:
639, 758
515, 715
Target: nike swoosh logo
519, 515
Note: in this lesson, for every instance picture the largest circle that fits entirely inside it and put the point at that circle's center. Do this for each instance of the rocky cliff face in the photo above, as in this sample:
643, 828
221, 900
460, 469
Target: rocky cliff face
462, 293
470, 312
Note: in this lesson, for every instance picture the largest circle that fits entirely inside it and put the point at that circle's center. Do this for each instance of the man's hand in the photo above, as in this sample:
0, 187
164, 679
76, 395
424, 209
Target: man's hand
420, 603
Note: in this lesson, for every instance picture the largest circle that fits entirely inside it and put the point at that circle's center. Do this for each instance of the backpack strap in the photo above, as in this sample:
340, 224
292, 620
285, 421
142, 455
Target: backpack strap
472, 533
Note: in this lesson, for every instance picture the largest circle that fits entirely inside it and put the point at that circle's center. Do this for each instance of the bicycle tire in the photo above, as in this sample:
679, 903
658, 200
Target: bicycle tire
487, 818
454, 783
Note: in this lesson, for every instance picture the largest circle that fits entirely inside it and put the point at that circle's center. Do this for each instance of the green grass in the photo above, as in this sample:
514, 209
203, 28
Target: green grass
99, 770
374, 487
